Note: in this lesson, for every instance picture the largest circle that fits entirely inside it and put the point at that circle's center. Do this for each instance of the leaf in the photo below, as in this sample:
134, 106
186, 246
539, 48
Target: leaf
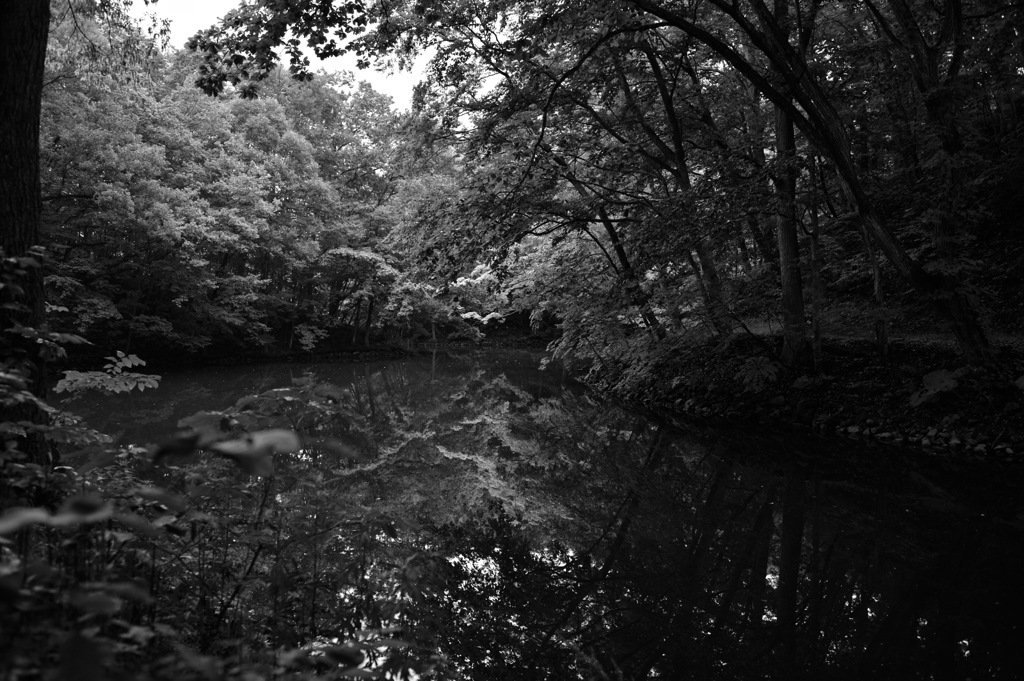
254, 455
935, 383
232, 448
260, 465
19, 518
244, 402
101, 460
139, 634
338, 447
84, 504
81, 511
941, 380
182, 445
290, 658
137, 524
344, 656
329, 390
276, 440
203, 421
171, 501
97, 603
205, 665
920, 397
127, 589
246, 457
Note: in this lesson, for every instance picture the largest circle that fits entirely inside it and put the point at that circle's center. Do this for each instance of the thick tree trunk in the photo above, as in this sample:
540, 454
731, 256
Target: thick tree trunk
23, 33
24, 28
794, 329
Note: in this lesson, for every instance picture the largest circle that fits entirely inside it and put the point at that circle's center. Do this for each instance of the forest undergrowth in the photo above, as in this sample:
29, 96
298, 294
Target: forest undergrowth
923, 394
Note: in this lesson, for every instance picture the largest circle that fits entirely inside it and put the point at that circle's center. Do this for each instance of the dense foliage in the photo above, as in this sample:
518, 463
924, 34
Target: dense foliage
461, 517
603, 167
699, 166
649, 179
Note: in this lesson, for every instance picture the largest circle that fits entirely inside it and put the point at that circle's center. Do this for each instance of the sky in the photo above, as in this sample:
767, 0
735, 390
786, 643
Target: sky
189, 16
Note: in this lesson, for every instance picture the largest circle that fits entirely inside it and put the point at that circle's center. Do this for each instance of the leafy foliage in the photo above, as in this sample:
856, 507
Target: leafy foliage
757, 373
936, 382
113, 378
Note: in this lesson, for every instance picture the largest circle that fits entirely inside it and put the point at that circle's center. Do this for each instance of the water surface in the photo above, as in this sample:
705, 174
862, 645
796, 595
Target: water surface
585, 540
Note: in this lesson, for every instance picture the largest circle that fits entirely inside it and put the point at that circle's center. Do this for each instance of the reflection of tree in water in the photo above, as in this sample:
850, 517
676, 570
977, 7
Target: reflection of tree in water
526, 531
153, 415
585, 541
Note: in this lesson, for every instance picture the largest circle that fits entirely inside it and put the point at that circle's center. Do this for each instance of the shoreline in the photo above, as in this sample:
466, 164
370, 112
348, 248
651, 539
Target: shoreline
977, 413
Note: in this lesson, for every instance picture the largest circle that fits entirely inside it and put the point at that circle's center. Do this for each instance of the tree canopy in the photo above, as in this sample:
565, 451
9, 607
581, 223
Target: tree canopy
671, 195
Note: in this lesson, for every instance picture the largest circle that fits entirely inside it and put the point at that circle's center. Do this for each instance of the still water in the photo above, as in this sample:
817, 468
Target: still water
587, 540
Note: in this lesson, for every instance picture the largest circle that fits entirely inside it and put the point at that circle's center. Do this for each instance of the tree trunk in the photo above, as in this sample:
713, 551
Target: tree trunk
793, 326
741, 565
24, 28
369, 321
789, 568
743, 252
355, 321
717, 308
794, 332
23, 35
763, 242
816, 288
756, 584
701, 285
881, 324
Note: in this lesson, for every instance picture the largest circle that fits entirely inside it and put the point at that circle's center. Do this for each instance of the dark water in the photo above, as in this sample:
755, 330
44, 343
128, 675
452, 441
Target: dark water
594, 542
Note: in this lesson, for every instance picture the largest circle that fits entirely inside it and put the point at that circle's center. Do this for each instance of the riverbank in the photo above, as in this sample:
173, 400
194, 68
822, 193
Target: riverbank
84, 358
923, 395
362, 353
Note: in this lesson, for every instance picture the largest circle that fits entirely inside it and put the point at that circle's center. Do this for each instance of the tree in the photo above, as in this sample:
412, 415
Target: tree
23, 35
818, 119
774, 65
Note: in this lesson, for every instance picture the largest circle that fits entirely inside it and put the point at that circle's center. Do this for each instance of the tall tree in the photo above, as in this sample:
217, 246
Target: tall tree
801, 94
23, 35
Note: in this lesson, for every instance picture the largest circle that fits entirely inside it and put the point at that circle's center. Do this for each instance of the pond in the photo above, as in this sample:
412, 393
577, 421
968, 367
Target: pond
531, 530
